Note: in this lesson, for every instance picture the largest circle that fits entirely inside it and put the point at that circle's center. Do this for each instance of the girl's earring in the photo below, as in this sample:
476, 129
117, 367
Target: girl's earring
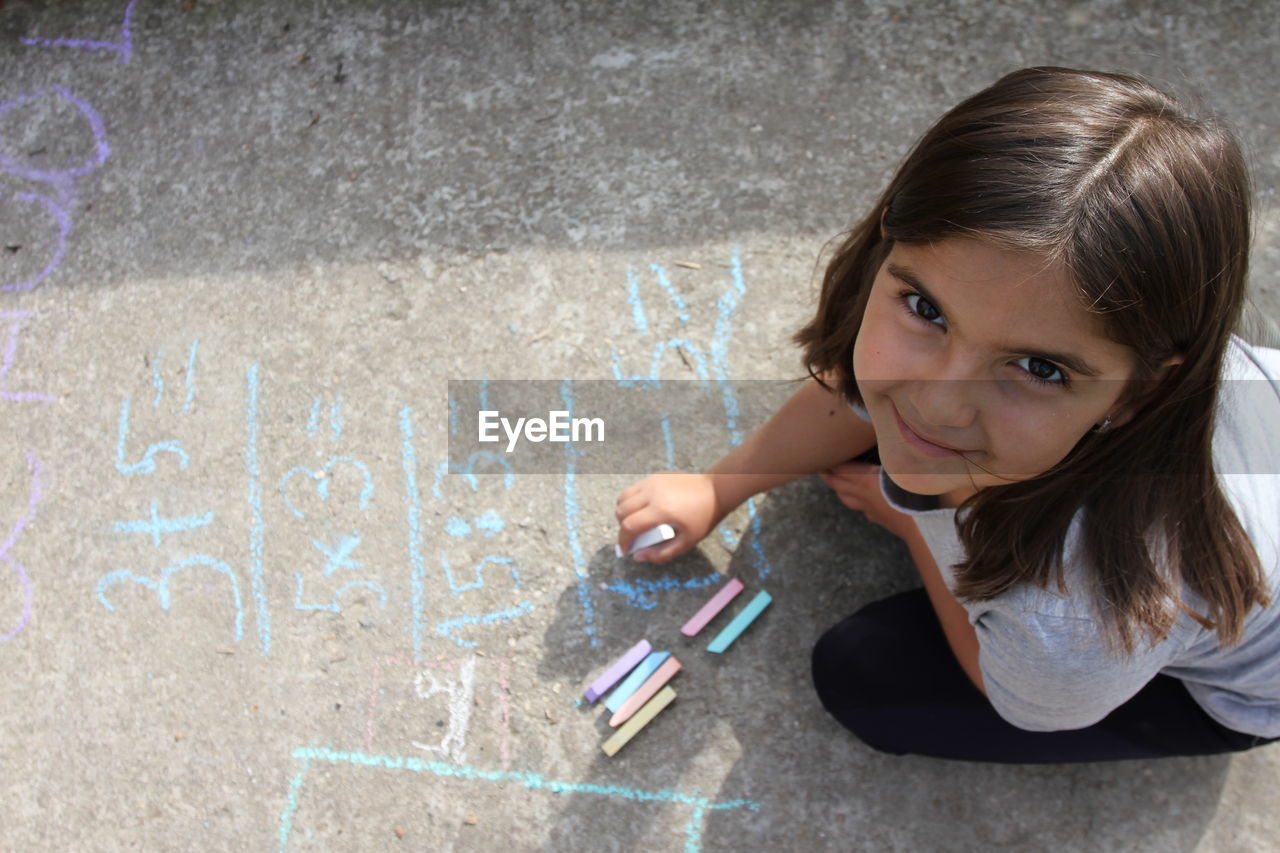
1104, 426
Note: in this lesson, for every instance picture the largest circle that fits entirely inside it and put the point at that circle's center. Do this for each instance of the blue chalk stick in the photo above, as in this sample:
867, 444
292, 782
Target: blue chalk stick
638, 676
740, 622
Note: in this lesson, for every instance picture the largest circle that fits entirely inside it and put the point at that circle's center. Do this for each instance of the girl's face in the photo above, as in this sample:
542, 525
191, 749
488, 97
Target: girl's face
979, 367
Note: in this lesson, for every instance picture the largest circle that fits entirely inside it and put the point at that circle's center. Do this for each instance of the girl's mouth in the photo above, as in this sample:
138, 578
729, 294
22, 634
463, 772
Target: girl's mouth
911, 437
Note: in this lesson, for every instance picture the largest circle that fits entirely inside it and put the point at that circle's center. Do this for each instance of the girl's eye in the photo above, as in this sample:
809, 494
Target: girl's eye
1043, 372
921, 308
1038, 370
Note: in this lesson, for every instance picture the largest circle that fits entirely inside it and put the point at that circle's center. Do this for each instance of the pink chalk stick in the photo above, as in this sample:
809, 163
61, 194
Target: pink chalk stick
613, 674
651, 686
709, 610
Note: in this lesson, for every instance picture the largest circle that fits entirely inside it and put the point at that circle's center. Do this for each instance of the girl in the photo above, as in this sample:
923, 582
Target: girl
1033, 329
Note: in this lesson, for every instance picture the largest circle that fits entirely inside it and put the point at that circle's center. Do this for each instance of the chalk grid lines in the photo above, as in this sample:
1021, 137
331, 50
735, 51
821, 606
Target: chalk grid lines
699, 806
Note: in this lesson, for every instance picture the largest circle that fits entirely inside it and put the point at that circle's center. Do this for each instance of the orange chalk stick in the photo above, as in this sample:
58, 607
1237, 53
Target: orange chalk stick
651, 686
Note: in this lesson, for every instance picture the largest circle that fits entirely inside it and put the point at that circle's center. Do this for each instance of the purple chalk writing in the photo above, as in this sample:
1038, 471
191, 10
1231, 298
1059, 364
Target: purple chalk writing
23, 579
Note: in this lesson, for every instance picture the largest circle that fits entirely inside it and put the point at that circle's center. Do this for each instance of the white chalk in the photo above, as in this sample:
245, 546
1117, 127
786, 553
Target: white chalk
652, 536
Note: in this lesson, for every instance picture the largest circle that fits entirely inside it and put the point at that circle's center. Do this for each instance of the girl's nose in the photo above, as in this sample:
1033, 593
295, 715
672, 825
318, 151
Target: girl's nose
947, 404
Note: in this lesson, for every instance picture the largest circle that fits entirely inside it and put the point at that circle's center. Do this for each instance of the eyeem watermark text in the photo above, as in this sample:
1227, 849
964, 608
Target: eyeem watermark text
558, 426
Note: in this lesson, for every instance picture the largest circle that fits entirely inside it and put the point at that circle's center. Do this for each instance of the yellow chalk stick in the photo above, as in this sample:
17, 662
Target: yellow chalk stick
642, 717
636, 701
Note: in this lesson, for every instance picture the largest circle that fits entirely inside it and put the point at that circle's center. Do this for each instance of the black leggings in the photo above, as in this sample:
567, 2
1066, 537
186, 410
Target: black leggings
888, 675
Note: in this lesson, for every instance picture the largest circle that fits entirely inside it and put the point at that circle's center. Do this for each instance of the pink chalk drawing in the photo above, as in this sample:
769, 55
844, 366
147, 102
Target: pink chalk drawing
15, 319
24, 580
122, 48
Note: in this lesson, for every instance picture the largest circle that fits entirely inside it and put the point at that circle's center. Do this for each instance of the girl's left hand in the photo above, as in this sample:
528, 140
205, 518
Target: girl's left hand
857, 484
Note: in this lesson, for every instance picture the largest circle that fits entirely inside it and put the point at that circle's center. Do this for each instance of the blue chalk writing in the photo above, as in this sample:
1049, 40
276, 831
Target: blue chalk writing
190, 377
323, 477
448, 626
667, 443
413, 505
291, 806
615, 363
490, 522
156, 379
726, 308
313, 422
147, 464
693, 357
468, 469
337, 547
639, 592
478, 571
160, 584
257, 532
698, 804
681, 311
637, 304
457, 527
335, 604
339, 556
336, 420
660, 350
156, 527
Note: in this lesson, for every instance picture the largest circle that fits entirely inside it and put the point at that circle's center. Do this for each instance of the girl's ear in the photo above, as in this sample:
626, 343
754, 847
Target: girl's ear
1134, 399
884, 234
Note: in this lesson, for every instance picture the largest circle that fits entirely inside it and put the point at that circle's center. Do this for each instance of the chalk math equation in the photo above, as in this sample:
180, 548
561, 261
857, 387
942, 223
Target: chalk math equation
459, 577
456, 542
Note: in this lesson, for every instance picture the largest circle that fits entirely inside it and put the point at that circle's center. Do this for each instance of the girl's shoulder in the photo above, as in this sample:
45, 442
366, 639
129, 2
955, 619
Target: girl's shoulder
1258, 359
1246, 444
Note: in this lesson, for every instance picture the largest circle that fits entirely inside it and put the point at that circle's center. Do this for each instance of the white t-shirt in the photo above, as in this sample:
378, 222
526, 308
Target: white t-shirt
1044, 663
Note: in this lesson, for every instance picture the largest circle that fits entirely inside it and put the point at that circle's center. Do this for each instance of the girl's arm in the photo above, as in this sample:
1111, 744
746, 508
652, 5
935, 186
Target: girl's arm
814, 430
954, 619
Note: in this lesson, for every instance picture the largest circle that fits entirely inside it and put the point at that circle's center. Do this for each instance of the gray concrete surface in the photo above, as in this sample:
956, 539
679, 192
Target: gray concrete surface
246, 244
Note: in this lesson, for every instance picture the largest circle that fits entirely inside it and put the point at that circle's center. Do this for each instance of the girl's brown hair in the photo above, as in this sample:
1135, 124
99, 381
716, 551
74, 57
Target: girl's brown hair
1148, 211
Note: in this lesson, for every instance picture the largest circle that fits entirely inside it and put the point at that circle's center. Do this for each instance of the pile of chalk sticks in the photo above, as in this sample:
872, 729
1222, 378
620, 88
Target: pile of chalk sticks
644, 673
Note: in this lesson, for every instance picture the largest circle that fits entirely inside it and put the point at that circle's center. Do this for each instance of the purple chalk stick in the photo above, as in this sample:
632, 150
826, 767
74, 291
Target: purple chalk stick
613, 674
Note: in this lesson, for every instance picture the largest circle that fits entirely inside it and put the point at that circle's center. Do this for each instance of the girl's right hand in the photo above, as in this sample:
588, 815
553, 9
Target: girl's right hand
685, 501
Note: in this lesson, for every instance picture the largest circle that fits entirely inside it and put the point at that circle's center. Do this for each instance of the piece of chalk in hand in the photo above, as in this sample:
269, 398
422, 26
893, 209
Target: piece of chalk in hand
652, 536
614, 674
